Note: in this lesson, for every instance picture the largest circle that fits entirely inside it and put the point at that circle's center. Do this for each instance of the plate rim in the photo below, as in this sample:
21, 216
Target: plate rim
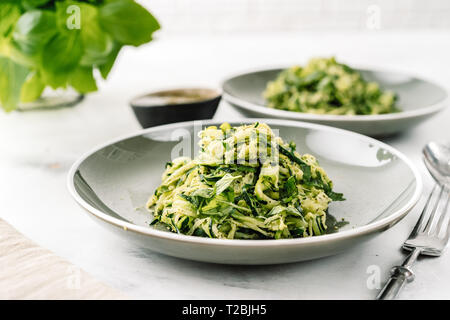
427, 110
342, 235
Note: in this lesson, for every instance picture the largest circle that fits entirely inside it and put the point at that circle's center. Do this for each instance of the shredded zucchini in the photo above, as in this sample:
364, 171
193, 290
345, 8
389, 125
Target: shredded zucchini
246, 183
325, 86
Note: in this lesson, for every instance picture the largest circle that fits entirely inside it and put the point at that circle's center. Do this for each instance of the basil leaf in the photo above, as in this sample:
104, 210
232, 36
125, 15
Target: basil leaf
105, 68
83, 80
32, 88
128, 22
60, 57
30, 4
9, 14
97, 44
12, 77
33, 30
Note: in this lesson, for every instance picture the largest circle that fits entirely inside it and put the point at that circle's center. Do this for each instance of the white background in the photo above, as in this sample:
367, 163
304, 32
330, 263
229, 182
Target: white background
237, 16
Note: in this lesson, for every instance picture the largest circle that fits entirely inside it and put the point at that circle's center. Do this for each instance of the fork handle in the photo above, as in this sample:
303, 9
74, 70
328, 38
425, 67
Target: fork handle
399, 275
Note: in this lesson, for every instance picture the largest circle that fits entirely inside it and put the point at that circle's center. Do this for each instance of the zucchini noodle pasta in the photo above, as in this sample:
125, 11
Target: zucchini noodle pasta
324, 86
245, 183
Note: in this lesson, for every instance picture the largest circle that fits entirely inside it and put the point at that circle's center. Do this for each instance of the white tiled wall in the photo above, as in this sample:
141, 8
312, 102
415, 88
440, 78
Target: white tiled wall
233, 16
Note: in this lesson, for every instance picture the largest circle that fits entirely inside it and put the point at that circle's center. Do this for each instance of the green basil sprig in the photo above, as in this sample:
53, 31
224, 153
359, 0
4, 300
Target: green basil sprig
59, 43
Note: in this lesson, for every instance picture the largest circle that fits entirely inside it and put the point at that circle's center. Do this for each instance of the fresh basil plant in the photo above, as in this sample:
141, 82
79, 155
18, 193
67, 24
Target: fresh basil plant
59, 43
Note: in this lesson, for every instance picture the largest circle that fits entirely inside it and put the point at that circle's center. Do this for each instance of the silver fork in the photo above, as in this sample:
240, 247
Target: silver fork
430, 234
429, 237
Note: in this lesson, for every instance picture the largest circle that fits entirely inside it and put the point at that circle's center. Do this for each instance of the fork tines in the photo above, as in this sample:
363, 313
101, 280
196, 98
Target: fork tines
432, 231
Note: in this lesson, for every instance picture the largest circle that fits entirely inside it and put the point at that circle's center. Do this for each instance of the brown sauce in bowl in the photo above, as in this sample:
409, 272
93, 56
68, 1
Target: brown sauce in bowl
174, 97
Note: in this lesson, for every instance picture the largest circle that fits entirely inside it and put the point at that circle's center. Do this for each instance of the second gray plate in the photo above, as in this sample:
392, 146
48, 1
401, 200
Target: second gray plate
419, 99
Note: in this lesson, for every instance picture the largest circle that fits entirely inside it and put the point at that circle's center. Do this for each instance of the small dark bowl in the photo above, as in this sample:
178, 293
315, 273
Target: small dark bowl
169, 106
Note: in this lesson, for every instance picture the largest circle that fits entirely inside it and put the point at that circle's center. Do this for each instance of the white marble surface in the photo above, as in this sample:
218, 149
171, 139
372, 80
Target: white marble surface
37, 149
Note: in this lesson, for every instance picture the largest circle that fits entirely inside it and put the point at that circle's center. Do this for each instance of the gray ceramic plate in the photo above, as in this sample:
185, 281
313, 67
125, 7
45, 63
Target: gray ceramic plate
419, 99
381, 185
